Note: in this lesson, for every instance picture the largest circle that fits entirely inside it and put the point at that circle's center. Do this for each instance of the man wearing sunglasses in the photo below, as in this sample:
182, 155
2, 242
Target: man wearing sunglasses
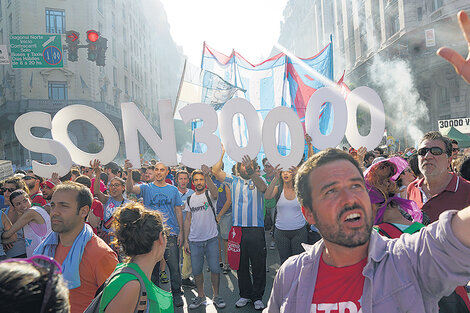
439, 190
34, 185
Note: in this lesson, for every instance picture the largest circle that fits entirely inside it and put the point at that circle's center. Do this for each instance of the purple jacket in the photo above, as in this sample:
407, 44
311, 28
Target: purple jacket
409, 274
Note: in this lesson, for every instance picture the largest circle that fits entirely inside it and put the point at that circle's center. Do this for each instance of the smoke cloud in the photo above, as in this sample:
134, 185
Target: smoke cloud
403, 107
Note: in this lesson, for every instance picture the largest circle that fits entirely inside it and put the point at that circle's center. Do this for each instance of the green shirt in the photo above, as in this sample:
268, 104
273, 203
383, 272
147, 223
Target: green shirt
158, 300
269, 203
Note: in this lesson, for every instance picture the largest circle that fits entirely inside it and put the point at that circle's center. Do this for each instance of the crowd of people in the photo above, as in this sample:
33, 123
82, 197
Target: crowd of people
62, 238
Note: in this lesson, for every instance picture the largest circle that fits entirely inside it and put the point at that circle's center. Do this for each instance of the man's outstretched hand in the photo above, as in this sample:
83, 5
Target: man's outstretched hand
461, 65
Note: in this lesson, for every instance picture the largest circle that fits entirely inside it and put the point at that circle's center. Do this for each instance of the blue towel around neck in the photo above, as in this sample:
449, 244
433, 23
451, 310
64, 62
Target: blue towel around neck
70, 267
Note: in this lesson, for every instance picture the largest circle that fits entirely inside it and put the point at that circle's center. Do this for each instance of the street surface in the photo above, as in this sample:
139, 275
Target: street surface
229, 288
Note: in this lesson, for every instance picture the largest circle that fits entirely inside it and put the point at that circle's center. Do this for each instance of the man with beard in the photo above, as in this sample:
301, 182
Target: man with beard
34, 183
159, 195
353, 269
86, 260
149, 175
248, 215
112, 170
182, 181
47, 189
200, 229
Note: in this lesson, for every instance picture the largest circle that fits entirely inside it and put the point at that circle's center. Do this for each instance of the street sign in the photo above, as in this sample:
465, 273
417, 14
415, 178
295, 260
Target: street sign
36, 51
4, 58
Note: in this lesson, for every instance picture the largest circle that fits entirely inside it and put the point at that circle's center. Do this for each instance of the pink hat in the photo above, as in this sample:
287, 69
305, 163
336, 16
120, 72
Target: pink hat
400, 165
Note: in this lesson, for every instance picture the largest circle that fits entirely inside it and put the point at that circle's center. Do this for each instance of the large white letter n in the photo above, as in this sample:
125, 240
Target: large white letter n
133, 120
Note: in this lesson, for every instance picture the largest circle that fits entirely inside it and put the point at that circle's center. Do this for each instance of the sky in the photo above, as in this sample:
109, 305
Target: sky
251, 27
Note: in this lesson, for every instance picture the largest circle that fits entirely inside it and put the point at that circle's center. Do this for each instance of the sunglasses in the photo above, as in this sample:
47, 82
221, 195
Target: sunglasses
42, 261
7, 189
455, 149
29, 177
433, 150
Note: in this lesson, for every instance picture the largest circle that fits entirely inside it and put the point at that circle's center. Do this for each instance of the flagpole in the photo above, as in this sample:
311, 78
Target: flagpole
180, 87
202, 54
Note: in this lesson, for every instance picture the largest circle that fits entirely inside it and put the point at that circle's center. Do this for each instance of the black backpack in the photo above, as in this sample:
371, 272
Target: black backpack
141, 306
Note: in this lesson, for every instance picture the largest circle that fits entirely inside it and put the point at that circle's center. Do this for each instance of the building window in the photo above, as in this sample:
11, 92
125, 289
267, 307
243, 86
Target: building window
126, 85
394, 25
115, 77
55, 21
113, 46
435, 4
58, 91
103, 92
113, 22
125, 58
1, 11
443, 96
10, 22
420, 14
100, 6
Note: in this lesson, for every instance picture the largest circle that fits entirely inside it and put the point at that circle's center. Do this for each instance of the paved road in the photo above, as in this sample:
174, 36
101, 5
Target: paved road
229, 288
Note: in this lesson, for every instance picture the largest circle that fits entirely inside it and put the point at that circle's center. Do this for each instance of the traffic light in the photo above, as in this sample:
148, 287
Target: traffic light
102, 47
92, 38
72, 38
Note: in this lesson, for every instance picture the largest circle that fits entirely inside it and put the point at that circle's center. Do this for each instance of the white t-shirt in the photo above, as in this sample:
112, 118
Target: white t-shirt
289, 214
203, 225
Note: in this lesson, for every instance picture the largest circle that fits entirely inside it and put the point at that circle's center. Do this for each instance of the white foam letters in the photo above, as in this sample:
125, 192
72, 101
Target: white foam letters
365, 95
133, 120
242, 106
204, 134
322, 95
288, 116
61, 121
23, 126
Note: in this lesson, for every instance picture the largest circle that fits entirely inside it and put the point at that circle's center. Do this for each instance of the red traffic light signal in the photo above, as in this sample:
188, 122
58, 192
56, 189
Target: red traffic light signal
92, 36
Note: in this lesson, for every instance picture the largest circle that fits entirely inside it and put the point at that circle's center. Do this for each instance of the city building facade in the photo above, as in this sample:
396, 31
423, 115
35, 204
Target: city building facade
143, 64
368, 35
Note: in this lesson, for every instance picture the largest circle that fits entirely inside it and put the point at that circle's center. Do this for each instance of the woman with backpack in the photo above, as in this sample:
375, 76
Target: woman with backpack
290, 231
141, 234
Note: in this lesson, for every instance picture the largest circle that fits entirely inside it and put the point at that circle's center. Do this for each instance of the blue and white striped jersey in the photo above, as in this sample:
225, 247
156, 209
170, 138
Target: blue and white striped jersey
247, 203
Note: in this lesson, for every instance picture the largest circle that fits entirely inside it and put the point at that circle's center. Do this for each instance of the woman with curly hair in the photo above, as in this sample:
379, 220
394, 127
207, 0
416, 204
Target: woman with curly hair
141, 234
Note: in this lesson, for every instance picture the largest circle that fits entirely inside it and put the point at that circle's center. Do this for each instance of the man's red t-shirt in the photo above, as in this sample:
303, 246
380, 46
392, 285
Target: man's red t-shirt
338, 289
